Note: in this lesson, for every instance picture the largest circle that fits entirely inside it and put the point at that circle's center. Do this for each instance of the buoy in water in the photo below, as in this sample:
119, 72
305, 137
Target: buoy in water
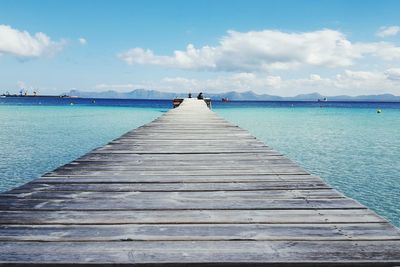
378, 111
71, 103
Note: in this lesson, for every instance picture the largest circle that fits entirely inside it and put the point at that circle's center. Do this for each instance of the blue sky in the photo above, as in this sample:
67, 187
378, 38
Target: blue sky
274, 47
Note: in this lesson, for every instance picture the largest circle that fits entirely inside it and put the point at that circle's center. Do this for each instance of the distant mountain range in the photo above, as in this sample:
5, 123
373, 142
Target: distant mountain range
249, 95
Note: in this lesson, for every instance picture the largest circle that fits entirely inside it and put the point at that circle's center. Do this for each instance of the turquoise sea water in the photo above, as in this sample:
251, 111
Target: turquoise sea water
349, 145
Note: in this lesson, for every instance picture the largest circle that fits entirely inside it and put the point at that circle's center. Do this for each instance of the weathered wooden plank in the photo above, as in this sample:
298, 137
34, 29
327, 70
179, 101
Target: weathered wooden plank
205, 172
197, 138
249, 157
140, 159
7, 203
165, 150
162, 178
181, 196
222, 143
188, 139
308, 253
89, 165
130, 187
189, 157
116, 217
196, 232
184, 151
188, 166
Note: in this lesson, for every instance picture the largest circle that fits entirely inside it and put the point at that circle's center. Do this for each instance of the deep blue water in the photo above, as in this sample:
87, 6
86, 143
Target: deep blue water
166, 104
348, 144
101, 102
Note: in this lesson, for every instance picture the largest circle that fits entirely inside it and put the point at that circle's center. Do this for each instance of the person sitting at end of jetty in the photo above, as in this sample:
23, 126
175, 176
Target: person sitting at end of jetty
200, 96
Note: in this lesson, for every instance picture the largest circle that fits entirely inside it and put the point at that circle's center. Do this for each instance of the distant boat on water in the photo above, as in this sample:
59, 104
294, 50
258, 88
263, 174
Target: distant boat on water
323, 99
225, 99
25, 93
35, 95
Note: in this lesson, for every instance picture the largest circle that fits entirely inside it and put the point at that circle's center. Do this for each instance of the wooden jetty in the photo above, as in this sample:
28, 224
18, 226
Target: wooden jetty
189, 188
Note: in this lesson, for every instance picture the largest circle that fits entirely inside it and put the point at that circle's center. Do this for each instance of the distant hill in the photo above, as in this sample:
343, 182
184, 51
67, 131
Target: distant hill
248, 95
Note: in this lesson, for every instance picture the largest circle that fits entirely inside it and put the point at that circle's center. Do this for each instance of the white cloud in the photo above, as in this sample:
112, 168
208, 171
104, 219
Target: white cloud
393, 74
236, 82
383, 50
348, 82
266, 50
82, 41
388, 31
192, 58
23, 44
359, 75
315, 77
361, 81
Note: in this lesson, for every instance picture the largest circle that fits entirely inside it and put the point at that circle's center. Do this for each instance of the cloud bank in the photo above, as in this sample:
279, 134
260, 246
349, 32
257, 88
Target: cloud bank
349, 82
267, 50
24, 45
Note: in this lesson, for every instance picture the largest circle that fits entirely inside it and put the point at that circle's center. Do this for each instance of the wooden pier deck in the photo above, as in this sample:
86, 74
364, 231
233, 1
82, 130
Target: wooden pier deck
189, 189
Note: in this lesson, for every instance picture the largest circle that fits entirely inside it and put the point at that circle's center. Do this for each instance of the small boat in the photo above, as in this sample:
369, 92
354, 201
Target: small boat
225, 99
323, 100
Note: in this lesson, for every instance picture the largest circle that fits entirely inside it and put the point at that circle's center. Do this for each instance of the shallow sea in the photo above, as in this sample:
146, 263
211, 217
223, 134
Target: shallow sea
350, 145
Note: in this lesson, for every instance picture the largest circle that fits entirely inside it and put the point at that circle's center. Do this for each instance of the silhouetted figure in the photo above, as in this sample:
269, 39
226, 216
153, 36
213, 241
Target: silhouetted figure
190, 95
200, 96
